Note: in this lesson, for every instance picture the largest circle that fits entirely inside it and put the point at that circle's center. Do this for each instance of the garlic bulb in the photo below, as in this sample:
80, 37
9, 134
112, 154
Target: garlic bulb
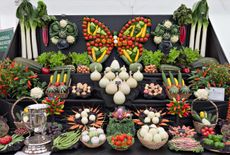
95, 76
115, 66
124, 87
104, 82
107, 69
117, 79
138, 75
110, 75
123, 74
111, 88
119, 98
131, 82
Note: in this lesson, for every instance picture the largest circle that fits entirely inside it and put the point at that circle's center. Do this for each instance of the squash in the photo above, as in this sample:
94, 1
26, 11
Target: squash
134, 67
96, 65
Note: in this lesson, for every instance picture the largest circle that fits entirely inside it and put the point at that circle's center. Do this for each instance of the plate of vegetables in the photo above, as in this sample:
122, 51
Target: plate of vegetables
153, 91
93, 137
121, 141
81, 90
215, 143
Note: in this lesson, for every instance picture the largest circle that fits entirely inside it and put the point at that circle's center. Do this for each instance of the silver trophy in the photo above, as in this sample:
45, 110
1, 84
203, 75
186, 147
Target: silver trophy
35, 120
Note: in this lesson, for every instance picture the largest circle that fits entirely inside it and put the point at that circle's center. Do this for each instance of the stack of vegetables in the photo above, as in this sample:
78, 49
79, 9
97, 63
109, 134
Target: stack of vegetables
120, 121
115, 83
152, 137
83, 118
183, 140
93, 137
63, 33
150, 116
59, 84
175, 86
11, 143
216, 143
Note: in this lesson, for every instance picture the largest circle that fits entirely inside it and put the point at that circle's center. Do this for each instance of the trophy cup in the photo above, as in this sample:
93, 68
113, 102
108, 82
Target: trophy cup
35, 120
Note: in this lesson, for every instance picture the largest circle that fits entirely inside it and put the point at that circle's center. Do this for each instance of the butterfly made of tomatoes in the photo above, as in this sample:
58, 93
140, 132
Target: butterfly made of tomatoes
129, 41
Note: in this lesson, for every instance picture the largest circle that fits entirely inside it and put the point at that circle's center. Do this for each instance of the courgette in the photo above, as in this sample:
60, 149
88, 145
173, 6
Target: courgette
62, 75
67, 67
196, 116
204, 61
165, 67
164, 79
125, 59
54, 78
68, 77
31, 64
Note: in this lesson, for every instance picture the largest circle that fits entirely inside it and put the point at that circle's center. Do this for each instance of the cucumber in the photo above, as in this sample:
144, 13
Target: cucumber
179, 78
165, 67
68, 77
62, 76
172, 78
66, 67
90, 58
32, 65
164, 78
125, 60
204, 61
55, 77
196, 116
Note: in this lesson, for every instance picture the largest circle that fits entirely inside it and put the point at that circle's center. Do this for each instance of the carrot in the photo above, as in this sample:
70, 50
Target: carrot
165, 120
74, 127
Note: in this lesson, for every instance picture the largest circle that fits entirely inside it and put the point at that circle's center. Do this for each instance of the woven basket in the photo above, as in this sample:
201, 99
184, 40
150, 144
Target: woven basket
20, 124
171, 96
151, 145
118, 148
60, 95
93, 145
198, 125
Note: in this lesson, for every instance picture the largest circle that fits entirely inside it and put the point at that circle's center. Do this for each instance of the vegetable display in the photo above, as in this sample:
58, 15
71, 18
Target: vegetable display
121, 141
63, 33
183, 16
182, 131
152, 90
152, 137
166, 31
204, 117
66, 140
81, 90
85, 118
214, 141
150, 116
101, 41
11, 143
199, 20
56, 106
120, 121
185, 144
93, 137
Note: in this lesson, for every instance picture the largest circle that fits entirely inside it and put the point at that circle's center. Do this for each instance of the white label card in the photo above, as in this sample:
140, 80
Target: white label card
216, 94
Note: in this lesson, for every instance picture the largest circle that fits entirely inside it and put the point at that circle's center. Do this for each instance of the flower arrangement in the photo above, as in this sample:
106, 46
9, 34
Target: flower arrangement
178, 107
55, 105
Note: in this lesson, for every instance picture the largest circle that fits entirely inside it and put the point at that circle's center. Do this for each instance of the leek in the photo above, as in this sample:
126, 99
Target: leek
194, 24
28, 42
198, 32
23, 39
204, 38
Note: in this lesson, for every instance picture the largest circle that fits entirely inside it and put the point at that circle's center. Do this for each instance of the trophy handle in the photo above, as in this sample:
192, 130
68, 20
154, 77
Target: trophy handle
27, 120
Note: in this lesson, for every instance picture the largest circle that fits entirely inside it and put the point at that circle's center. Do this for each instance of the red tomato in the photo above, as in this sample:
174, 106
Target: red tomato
130, 42
118, 143
92, 19
203, 130
210, 129
129, 142
212, 132
130, 22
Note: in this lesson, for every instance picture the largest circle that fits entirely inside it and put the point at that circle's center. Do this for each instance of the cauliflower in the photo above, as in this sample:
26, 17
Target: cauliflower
157, 39
167, 24
54, 40
174, 38
63, 23
202, 94
36, 93
70, 39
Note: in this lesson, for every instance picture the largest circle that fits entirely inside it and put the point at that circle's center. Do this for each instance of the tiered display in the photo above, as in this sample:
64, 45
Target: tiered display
81, 93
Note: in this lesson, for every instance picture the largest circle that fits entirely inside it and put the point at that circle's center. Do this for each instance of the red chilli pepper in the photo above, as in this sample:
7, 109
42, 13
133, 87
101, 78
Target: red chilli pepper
29, 84
45, 38
33, 76
16, 78
26, 69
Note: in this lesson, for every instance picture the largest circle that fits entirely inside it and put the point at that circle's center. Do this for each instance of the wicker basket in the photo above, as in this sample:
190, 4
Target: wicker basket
93, 145
20, 124
60, 95
119, 148
171, 96
198, 125
151, 145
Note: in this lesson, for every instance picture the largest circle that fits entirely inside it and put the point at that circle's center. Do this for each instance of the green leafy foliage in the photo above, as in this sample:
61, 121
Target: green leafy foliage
79, 58
44, 58
183, 15
152, 58
120, 126
190, 55
57, 59
172, 56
